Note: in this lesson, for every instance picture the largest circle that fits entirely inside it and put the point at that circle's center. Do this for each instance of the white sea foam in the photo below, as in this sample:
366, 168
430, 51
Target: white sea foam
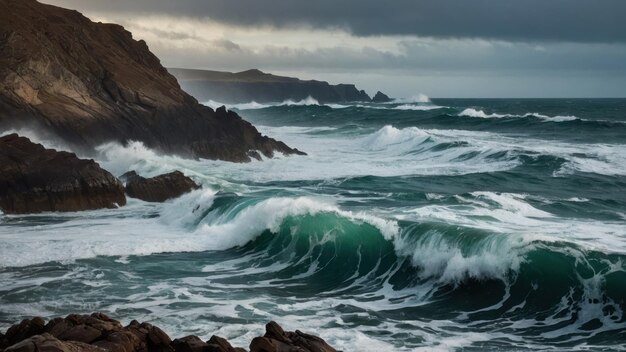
418, 107
253, 105
420, 98
510, 214
470, 112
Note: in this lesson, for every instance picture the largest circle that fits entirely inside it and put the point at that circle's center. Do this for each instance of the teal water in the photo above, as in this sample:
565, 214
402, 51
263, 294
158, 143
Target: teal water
450, 224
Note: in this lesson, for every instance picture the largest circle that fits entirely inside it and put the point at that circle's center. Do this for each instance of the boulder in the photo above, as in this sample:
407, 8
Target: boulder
159, 188
278, 340
25, 329
34, 179
49, 343
98, 333
220, 344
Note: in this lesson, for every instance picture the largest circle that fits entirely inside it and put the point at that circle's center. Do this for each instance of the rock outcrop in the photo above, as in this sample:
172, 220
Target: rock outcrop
381, 97
34, 179
99, 333
278, 340
159, 188
254, 85
90, 83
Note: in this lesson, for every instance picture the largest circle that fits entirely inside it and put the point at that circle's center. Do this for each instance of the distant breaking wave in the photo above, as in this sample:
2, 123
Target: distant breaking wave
253, 105
469, 112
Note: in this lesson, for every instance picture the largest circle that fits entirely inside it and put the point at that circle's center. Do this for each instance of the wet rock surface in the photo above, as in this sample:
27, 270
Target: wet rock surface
159, 188
98, 332
34, 179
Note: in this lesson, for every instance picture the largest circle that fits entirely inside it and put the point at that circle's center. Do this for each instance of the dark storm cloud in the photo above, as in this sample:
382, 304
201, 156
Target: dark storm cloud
517, 20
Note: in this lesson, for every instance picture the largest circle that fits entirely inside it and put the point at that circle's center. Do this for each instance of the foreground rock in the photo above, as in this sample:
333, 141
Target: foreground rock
90, 83
159, 188
278, 340
34, 179
99, 333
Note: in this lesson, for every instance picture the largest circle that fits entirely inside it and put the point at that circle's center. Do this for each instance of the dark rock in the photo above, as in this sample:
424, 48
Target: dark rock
254, 85
152, 338
25, 329
220, 344
99, 333
277, 340
190, 344
34, 179
48, 343
159, 188
381, 97
90, 83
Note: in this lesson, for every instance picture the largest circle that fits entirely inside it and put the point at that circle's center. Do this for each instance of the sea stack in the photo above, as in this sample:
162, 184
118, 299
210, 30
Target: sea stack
90, 83
34, 179
381, 97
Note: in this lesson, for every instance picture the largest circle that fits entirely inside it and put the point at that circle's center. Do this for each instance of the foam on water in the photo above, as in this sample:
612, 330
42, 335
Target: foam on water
470, 112
253, 105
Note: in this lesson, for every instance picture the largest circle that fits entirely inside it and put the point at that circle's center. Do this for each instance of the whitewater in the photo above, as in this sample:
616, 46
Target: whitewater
419, 224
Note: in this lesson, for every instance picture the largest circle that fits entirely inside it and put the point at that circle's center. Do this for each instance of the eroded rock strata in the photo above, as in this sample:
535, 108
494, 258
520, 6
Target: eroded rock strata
99, 333
34, 179
90, 83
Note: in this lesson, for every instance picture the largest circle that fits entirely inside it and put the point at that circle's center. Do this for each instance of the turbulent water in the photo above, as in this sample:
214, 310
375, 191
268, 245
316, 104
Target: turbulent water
416, 225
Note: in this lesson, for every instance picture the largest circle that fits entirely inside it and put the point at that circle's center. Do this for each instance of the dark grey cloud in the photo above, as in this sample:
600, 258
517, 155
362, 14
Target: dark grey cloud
513, 20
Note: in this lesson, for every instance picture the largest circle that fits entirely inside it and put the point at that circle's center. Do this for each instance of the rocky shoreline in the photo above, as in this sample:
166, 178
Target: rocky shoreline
99, 333
34, 179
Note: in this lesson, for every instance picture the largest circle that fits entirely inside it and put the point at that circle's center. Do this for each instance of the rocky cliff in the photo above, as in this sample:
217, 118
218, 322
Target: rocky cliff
91, 83
34, 179
254, 85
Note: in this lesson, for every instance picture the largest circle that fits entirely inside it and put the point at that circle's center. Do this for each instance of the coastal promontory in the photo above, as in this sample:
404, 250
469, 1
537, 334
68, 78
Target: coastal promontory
89, 83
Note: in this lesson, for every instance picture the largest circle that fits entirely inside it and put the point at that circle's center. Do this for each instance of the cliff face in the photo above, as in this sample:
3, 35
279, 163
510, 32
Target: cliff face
254, 85
91, 83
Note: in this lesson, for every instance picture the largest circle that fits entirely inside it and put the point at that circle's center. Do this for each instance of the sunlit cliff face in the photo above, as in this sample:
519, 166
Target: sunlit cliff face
399, 64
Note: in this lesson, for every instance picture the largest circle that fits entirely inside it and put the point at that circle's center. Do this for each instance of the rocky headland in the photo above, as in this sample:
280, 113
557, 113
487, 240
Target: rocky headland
261, 87
34, 179
90, 83
99, 333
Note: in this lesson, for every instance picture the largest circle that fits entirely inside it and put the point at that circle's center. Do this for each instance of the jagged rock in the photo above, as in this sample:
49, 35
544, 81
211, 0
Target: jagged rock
222, 345
98, 333
278, 340
153, 339
48, 343
254, 85
190, 344
159, 188
34, 179
90, 83
25, 329
381, 97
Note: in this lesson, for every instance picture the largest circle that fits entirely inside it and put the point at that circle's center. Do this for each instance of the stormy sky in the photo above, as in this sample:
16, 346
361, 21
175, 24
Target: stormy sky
442, 48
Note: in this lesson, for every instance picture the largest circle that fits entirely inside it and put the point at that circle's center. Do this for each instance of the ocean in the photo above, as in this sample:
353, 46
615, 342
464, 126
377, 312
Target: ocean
443, 225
